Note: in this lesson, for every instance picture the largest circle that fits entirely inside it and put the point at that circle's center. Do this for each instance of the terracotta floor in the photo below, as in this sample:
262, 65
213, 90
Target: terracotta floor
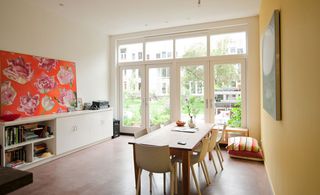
107, 168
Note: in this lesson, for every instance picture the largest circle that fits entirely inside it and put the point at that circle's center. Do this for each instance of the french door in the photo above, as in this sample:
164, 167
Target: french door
158, 98
215, 89
144, 97
132, 98
154, 95
193, 90
227, 92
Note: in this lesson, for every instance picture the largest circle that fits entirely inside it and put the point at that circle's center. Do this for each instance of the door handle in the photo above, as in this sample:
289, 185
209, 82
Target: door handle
206, 103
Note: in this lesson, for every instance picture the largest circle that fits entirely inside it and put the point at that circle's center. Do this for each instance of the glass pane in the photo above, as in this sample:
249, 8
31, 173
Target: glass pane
228, 44
159, 50
159, 96
227, 94
192, 92
131, 88
130, 52
191, 47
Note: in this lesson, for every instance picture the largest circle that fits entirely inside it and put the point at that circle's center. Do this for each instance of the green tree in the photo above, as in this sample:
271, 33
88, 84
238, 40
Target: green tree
226, 76
235, 118
222, 48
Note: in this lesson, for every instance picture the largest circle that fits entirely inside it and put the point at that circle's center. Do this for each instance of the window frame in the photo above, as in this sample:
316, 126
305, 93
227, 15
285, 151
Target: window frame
242, 62
176, 62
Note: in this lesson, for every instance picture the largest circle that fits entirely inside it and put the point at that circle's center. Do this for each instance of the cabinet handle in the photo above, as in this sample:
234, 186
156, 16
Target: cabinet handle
74, 128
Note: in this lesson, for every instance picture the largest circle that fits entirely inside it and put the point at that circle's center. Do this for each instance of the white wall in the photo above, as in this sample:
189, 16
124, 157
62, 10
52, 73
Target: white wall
30, 30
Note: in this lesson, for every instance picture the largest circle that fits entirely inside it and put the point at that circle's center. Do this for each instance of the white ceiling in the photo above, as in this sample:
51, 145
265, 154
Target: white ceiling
125, 16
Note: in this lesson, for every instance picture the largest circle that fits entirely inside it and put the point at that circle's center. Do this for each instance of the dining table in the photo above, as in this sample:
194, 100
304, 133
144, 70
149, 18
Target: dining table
181, 141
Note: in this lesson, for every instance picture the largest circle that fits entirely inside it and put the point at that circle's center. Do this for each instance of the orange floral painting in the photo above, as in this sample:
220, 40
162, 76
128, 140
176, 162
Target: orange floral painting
32, 85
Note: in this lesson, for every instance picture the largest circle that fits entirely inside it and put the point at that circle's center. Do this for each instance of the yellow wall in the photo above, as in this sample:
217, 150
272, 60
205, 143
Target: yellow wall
292, 146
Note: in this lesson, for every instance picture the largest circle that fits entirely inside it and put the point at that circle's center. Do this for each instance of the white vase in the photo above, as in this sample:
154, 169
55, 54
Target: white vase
191, 124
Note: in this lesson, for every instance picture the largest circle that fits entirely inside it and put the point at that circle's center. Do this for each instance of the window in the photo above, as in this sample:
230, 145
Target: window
164, 88
192, 87
207, 79
157, 50
124, 84
164, 72
199, 87
158, 96
196, 87
227, 94
228, 44
129, 52
123, 54
191, 47
190, 77
164, 55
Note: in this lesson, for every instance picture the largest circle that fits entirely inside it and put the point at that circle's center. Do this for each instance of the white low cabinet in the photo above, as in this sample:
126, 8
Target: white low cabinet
70, 131
76, 131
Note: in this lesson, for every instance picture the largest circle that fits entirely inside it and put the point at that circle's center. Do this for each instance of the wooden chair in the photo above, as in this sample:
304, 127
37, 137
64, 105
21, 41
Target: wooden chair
198, 158
138, 134
155, 159
220, 129
212, 146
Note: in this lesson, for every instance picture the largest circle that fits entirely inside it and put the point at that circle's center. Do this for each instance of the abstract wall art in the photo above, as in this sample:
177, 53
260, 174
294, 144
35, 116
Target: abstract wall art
271, 73
33, 85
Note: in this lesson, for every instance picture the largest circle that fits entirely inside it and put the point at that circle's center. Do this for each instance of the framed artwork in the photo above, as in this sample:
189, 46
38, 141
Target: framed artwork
271, 67
33, 85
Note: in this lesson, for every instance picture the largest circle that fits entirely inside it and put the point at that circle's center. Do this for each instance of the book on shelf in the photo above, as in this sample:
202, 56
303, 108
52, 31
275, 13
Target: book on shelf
21, 133
16, 163
30, 126
15, 156
39, 149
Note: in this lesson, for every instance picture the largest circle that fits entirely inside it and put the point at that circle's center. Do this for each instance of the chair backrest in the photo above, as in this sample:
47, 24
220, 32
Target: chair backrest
155, 159
204, 149
140, 133
220, 128
213, 140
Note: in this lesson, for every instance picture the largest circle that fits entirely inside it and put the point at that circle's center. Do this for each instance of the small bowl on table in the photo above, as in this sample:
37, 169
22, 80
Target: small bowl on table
180, 123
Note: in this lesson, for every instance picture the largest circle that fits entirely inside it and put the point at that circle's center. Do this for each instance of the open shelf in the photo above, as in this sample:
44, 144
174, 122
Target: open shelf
37, 159
86, 127
28, 142
22, 165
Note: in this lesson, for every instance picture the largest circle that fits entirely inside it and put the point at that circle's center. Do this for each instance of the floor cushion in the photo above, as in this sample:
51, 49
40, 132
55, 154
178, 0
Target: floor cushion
244, 147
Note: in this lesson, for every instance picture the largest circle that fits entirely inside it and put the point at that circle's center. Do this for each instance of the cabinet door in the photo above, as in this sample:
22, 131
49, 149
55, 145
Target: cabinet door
68, 134
97, 125
80, 130
104, 125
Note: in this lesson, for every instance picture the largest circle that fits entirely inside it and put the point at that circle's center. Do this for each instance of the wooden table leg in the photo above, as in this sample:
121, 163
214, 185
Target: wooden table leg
136, 169
186, 172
